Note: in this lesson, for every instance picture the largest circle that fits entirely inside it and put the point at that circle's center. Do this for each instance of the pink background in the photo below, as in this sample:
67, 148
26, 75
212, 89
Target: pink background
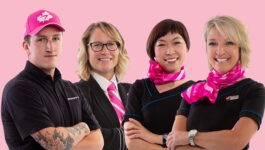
134, 19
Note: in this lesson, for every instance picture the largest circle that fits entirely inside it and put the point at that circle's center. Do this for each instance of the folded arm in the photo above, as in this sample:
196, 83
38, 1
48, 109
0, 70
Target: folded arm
236, 138
61, 138
93, 141
138, 137
178, 137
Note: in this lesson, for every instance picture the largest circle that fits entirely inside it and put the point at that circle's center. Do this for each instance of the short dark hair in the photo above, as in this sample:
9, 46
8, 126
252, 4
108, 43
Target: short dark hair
161, 29
27, 38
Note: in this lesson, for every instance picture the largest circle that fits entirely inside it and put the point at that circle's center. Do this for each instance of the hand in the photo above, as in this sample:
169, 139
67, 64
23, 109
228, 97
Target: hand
134, 129
177, 138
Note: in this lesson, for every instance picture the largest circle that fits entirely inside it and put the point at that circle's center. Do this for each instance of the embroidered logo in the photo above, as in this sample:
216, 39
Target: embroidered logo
231, 98
45, 16
72, 98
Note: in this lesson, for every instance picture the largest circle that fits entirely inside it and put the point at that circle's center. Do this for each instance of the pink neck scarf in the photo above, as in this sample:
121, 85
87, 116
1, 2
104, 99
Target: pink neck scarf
215, 81
159, 76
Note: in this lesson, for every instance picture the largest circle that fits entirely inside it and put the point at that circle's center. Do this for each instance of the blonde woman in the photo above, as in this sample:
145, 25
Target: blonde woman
102, 61
226, 110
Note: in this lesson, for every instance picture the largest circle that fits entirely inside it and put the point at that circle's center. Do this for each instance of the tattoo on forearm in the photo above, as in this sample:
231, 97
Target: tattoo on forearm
62, 139
55, 141
78, 129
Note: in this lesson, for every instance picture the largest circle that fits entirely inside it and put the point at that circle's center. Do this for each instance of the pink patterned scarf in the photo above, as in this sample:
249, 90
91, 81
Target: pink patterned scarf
215, 81
159, 76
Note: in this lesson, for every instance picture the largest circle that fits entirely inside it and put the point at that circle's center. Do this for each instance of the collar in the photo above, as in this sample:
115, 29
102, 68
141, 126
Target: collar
103, 82
39, 74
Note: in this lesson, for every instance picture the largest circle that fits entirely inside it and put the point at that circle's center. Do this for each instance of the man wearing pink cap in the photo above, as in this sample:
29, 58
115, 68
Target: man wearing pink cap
40, 110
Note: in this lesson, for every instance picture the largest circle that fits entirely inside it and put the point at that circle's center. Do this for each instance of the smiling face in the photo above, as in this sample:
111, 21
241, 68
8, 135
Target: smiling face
170, 52
223, 54
44, 49
105, 61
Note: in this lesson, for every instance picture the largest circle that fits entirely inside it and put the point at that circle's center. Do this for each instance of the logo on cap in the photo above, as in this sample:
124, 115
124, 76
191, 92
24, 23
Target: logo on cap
45, 16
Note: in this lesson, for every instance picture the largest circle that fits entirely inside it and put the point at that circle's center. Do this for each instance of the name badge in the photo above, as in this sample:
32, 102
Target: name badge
232, 98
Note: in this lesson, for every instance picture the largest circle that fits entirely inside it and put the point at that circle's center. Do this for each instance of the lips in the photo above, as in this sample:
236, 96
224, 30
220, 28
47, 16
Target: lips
105, 59
171, 59
222, 60
51, 55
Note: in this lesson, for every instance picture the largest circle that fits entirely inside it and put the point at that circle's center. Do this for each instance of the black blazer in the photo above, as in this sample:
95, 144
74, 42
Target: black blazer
104, 112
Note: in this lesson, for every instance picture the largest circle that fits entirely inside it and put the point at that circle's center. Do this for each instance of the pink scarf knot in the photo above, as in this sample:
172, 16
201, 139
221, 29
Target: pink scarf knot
159, 76
215, 81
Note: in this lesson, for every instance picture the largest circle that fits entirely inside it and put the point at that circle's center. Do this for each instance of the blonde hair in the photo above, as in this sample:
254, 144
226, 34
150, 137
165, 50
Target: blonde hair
235, 30
83, 66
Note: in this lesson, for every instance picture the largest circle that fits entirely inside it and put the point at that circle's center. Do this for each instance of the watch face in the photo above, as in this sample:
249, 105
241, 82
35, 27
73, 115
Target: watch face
165, 136
193, 132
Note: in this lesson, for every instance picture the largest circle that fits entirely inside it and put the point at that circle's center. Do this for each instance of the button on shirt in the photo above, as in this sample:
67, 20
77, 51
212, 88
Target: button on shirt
33, 101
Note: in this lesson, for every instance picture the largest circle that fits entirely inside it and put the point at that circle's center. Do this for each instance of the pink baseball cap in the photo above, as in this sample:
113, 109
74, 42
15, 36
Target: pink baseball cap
40, 19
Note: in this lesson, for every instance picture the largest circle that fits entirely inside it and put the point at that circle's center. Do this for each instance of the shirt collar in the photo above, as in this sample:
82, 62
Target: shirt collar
103, 82
38, 73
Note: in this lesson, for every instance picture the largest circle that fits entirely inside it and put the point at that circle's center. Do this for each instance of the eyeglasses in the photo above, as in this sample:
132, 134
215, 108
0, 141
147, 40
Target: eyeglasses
98, 46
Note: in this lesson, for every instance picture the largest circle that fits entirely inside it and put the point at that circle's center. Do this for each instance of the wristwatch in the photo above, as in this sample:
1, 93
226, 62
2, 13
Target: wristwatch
165, 140
192, 134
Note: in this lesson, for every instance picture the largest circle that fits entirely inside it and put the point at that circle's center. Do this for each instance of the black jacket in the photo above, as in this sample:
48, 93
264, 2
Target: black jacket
105, 113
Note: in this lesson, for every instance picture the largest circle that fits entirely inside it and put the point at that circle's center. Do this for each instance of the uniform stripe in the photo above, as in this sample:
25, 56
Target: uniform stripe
134, 115
253, 112
147, 87
160, 99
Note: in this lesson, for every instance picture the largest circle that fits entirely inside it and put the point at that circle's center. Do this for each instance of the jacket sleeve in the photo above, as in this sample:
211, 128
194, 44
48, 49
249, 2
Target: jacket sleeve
113, 139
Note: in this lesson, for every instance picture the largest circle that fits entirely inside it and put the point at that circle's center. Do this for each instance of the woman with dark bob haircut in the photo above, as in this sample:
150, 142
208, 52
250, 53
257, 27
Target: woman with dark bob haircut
224, 111
153, 101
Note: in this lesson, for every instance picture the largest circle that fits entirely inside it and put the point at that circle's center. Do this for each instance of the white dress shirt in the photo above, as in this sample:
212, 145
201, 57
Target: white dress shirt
104, 83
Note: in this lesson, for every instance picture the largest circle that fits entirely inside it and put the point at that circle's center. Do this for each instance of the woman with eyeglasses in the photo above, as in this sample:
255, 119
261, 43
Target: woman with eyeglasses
153, 101
224, 111
102, 61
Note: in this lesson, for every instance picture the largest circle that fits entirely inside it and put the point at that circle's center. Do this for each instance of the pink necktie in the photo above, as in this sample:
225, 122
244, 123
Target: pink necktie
116, 102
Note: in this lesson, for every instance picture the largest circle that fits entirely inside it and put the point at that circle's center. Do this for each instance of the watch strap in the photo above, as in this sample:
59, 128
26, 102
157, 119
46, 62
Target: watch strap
192, 134
165, 139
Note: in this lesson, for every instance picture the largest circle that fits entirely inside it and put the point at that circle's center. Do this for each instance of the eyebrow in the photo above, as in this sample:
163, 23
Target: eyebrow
211, 40
176, 38
102, 42
215, 40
